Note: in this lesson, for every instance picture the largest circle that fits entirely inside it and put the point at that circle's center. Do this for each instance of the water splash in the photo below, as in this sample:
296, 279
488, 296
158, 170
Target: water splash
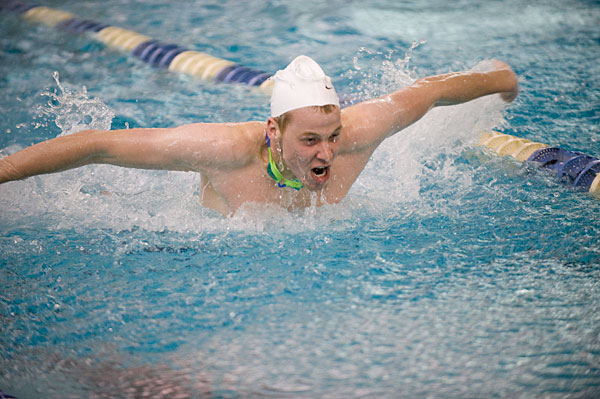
406, 165
74, 111
376, 73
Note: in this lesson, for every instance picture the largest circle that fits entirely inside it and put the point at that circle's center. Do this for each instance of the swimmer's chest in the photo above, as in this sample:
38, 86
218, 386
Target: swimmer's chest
230, 190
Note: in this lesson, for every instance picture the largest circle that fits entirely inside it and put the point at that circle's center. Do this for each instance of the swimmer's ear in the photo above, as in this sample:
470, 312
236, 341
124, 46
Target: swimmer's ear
273, 130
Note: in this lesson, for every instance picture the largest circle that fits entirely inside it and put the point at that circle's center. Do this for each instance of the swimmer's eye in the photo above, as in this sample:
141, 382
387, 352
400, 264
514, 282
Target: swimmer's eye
314, 140
310, 141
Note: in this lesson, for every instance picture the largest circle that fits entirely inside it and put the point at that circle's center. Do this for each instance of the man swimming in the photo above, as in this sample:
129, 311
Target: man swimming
309, 152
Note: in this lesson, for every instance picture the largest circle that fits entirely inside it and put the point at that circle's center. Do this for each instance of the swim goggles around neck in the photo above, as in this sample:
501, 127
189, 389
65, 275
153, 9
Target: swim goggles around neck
275, 174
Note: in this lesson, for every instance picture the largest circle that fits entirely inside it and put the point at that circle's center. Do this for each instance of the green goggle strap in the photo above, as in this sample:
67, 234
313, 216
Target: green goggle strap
276, 175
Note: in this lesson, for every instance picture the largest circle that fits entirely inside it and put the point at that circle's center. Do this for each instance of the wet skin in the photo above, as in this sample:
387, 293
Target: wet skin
314, 148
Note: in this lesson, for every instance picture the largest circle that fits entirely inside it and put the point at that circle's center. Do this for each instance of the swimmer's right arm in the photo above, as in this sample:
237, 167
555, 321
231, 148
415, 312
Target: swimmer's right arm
196, 147
50, 156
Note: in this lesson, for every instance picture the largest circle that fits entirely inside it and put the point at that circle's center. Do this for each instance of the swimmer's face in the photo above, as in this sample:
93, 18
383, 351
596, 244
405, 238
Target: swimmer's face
309, 145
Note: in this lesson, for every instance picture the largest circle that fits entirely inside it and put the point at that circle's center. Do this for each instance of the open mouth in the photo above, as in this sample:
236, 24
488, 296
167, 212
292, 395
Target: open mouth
320, 173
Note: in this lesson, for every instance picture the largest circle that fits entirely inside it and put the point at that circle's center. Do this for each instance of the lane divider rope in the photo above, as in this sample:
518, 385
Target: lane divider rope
572, 168
154, 52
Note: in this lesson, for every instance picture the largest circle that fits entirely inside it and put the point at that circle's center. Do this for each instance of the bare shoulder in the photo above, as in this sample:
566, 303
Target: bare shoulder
367, 124
220, 145
216, 133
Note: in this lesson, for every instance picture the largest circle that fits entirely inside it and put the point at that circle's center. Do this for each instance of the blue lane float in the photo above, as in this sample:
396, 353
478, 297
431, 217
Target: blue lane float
76, 25
16, 6
590, 177
156, 53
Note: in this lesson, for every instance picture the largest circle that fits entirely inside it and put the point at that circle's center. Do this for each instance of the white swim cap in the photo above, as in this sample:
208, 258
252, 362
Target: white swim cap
301, 84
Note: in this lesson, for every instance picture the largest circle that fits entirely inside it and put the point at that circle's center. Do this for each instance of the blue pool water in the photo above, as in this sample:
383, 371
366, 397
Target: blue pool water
447, 271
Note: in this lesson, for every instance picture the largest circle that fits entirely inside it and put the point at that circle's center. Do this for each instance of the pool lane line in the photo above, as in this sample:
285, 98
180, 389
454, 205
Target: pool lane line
154, 52
570, 167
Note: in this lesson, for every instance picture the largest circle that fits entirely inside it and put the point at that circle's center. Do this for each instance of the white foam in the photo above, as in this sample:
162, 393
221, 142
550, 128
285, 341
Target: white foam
398, 169
74, 111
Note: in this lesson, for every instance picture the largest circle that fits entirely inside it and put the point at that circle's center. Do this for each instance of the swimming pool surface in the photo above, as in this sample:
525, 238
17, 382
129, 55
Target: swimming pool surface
447, 272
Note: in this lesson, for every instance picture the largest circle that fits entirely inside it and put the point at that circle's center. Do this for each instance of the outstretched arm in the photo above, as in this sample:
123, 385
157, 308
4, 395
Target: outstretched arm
374, 120
196, 147
68, 152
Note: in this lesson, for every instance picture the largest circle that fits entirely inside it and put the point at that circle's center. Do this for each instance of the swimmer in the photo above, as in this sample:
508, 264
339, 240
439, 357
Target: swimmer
307, 145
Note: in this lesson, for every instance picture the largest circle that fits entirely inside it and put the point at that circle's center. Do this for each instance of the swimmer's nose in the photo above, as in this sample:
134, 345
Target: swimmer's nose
325, 153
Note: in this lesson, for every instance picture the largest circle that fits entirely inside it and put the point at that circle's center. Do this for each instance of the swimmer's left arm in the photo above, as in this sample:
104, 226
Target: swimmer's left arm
374, 120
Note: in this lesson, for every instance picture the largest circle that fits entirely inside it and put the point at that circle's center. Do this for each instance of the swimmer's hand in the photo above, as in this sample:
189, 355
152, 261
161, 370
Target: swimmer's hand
509, 79
508, 96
